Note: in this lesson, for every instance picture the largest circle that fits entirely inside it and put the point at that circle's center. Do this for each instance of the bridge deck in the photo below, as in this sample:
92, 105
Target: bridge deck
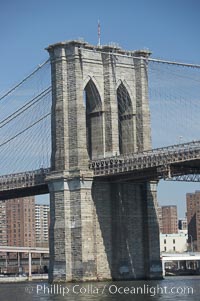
24, 183
156, 161
166, 162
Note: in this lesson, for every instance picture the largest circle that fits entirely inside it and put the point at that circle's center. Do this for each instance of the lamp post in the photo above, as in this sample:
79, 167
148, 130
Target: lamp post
191, 243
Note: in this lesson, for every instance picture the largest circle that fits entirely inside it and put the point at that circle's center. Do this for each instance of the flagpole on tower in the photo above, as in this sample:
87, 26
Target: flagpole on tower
99, 34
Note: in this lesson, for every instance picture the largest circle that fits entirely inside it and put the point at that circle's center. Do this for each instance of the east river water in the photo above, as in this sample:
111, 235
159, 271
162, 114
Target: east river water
171, 288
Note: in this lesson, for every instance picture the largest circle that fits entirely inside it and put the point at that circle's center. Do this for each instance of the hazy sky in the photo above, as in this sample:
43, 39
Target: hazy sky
169, 28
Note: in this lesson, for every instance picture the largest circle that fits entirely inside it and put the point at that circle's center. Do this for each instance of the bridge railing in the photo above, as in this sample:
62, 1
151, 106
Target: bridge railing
23, 179
148, 159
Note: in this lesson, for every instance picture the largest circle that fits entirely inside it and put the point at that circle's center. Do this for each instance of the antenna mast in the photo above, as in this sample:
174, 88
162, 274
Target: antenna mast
99, 34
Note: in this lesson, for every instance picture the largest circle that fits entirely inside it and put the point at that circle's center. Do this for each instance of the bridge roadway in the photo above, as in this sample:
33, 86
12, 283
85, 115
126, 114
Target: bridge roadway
24, 184
166, 162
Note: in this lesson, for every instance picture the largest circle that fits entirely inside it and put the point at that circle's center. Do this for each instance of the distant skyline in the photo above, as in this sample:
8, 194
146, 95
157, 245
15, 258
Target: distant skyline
169, 29
174, 193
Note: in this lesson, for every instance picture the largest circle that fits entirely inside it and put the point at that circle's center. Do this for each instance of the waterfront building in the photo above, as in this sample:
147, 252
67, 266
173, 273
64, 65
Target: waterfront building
173, 243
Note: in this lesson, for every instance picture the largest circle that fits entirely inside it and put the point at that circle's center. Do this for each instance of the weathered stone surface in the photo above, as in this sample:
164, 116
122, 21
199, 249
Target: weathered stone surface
100, 229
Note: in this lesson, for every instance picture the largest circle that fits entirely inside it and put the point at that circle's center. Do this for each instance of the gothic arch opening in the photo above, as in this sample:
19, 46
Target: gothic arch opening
125, 119
94, 121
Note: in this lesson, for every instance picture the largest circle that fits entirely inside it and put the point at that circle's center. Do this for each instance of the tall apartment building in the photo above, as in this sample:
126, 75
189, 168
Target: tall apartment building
193, 219
169, 223
20, 220
3, 224
42, 225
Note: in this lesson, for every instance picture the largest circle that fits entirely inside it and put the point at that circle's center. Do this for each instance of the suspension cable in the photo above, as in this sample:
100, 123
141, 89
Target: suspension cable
22, 81
24, 130
145, 58
25, 107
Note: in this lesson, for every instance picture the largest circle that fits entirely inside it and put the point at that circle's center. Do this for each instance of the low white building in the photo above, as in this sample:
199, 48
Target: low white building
175, 243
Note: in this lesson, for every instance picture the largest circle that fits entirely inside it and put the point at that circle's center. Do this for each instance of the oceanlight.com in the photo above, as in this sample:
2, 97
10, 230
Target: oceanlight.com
112, 289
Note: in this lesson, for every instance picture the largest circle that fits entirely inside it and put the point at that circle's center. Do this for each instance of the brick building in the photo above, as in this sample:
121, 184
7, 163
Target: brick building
193, 219
168, 220
24, 223
20, 219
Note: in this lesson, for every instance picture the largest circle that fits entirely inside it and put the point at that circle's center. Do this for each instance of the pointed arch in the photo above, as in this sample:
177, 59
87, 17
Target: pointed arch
123, 82
95, 82
94, 121
125, 120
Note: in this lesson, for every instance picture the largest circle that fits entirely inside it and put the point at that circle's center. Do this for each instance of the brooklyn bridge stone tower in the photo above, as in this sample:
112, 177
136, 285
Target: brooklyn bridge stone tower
101, 227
